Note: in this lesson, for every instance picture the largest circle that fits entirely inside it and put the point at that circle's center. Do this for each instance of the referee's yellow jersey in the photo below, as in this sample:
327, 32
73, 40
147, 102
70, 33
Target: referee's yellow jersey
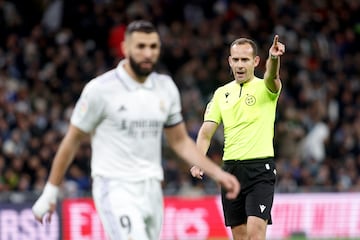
247, 112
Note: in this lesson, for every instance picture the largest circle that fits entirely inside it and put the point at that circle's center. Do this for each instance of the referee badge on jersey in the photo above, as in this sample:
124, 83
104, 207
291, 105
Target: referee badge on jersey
250, 100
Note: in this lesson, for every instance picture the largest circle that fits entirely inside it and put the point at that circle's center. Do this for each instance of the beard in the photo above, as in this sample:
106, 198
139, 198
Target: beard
138, 70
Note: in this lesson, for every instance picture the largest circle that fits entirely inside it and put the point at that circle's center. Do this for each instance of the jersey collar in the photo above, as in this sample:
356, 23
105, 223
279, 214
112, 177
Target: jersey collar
129, 82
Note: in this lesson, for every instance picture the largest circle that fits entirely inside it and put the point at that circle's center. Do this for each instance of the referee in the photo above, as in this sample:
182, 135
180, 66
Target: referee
246, 107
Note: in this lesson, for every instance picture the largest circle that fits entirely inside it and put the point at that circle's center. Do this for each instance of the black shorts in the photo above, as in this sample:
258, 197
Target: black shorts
257, 178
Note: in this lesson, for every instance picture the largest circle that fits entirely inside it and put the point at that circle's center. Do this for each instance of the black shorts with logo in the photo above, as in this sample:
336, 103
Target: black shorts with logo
257, 178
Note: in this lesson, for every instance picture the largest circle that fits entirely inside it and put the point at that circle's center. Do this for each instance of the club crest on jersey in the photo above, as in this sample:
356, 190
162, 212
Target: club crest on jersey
250, 100
83, 107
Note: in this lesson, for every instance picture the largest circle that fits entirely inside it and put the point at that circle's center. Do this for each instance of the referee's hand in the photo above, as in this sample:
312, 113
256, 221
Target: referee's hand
228, 181
196, 172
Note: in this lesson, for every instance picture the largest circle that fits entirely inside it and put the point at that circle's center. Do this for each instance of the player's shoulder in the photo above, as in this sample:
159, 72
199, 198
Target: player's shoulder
163, 80
102, 81
161, 77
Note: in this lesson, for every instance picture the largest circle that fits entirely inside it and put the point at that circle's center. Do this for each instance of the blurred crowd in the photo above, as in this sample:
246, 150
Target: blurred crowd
50, 48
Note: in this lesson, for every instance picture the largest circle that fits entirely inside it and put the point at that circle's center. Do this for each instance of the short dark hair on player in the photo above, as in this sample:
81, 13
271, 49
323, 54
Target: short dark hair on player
140, 26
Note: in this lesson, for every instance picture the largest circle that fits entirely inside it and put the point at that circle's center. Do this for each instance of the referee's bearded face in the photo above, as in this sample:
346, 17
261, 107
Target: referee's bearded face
243, 62
143, 51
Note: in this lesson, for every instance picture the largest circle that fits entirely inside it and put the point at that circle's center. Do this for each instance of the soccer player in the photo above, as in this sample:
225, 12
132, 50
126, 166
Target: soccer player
246, 107
125, 111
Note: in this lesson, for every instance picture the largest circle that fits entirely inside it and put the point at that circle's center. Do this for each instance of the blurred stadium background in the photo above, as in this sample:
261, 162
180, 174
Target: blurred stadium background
50, 48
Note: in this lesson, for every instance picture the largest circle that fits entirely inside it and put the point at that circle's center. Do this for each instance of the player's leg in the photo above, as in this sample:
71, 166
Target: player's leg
258, 207
118, 206
239, 232
124, 223
234, 210
259, 200
256, 228
155, 208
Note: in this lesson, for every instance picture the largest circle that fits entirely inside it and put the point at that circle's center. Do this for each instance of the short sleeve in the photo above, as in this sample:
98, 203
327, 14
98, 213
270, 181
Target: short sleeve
88, 109
273, 96
212, 112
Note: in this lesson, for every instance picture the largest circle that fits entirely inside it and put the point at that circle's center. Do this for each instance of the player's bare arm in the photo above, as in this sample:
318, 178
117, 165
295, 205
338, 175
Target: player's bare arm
64, 156
185, 147
66, 153
271, 76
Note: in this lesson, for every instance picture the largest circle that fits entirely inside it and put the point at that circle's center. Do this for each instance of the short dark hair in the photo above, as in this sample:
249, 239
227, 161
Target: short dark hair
140, 26
241, 41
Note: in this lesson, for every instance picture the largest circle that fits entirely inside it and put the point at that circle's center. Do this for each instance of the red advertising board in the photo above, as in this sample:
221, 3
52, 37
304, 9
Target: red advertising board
199, 218
320, 216
184, 218
80, 220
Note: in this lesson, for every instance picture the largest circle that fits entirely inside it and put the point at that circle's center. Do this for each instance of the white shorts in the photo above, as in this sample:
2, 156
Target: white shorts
129, 210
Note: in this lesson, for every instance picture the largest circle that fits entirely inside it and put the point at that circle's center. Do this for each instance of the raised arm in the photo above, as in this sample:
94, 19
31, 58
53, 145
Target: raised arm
272, 75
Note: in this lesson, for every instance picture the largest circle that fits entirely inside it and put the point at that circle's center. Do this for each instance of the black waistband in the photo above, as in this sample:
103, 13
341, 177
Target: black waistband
246, 161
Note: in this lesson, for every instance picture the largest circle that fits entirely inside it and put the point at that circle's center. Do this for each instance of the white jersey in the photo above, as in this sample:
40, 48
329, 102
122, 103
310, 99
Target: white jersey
126, 120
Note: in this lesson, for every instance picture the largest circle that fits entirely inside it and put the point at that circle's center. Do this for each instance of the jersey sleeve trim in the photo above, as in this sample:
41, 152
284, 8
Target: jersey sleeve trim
211, 121
173, 125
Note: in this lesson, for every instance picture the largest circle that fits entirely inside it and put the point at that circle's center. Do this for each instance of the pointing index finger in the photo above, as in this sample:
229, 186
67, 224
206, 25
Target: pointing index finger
276, 38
